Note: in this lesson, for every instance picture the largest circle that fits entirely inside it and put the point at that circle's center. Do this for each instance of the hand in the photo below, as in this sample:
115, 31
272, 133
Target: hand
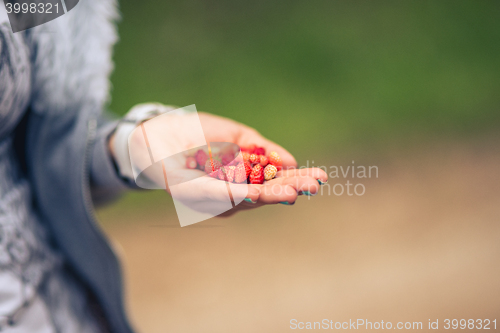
288, 184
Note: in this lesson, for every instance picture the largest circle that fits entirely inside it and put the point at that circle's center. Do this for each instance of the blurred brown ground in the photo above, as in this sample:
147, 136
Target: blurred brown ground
422, 243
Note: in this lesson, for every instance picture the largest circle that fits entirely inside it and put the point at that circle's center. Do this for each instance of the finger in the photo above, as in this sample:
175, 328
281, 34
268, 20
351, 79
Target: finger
277, 193
245, 193
287, 189
302, 184
206, 191
315, 173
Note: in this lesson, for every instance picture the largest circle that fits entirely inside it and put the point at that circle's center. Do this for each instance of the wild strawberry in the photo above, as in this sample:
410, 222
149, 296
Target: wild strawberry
245, 155
270, 172
275, 159
220, 174
254, 159
227, 158
263, 160
248, 169
214, 174
240, 174
230, 173
191, 163
237, 160
212, 165
259, 151
257, 175
201, 158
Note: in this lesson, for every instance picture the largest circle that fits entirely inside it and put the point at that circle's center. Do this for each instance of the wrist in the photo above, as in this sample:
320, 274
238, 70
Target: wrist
118, 141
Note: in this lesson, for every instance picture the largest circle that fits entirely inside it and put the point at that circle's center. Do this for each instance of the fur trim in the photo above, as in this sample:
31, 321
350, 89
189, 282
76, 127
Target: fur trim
72, 58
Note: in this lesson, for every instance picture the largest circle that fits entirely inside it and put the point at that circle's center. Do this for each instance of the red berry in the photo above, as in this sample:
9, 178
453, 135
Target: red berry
259, 151
230, 173
275, 160
246, 156
263, 161
212, 165
248, 169
257, 175
227, 158
201, 158
240, 174
220, 174
254, 159
270, 172
191, 163
214, 174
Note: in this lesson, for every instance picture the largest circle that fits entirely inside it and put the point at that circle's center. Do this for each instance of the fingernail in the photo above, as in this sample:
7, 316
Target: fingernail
287, 203
309, 194
322, 182
250, 200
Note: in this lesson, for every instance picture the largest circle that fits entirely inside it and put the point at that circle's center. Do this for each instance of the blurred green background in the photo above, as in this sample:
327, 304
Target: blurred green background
319, 77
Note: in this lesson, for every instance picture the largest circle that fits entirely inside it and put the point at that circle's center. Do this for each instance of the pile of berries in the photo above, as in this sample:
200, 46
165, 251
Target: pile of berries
252, 165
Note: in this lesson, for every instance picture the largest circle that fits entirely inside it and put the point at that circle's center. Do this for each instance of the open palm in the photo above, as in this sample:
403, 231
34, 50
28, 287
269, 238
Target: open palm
173, 134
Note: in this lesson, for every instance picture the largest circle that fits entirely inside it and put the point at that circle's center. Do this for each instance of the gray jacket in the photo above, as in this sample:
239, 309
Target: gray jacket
61, 165
62, 141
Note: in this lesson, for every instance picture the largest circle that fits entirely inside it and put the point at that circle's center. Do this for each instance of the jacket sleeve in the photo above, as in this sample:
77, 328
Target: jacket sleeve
105, 182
